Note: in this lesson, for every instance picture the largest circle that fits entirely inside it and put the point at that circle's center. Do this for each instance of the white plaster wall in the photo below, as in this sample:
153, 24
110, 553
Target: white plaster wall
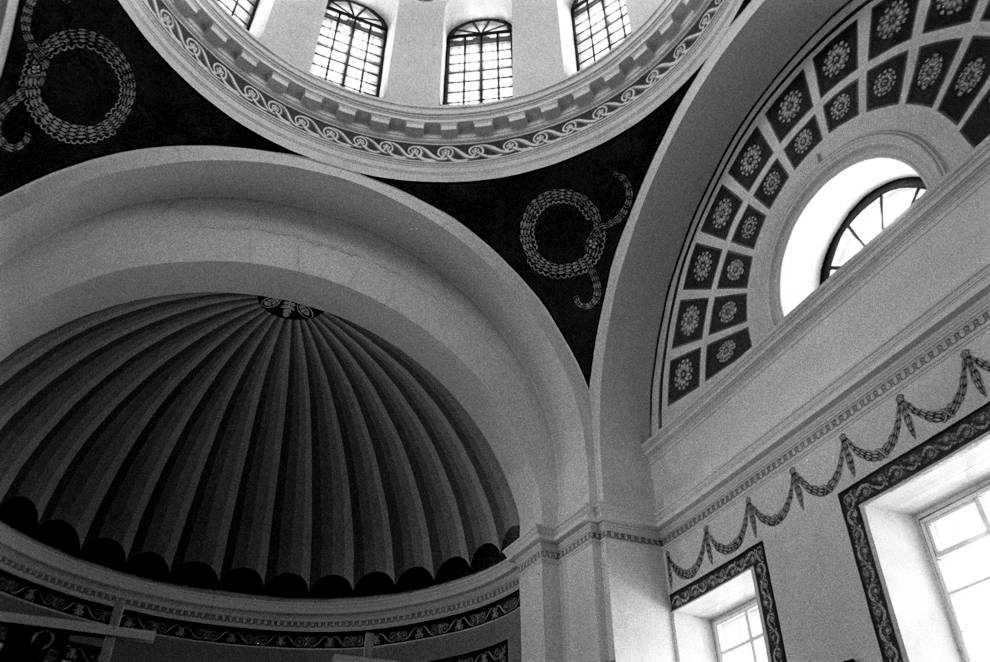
938, 253
820, 598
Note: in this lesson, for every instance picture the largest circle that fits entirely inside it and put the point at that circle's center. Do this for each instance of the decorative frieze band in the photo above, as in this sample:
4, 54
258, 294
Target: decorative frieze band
391, 140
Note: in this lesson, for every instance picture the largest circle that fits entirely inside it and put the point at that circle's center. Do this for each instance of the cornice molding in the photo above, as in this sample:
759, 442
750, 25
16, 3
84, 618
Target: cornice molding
584, 527
98, 588
867, 393
374, 136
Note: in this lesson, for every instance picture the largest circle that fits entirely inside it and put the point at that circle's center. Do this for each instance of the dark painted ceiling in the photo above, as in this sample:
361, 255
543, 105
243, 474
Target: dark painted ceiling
79, 86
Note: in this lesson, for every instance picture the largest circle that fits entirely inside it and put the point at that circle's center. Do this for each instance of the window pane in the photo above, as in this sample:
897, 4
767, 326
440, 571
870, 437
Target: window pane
956, 526
354, 38
240, 10
966, 565
867, 225
479, 62
732, 632
741, 654
755, 622
760, 646
599, 26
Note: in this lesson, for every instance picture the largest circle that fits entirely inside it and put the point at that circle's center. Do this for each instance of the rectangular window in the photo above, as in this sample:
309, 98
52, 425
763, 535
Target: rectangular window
958, 537
739, 635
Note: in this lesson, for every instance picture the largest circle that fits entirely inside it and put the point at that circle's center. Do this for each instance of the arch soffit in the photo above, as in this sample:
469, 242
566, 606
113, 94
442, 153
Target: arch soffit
641, 284
170, 220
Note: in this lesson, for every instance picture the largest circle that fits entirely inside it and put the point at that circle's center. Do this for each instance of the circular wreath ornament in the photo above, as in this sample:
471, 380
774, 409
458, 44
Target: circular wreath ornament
382, 138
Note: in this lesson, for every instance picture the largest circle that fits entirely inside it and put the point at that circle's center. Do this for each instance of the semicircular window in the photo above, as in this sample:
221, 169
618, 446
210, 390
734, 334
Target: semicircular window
479, 63
872, 215
844, 214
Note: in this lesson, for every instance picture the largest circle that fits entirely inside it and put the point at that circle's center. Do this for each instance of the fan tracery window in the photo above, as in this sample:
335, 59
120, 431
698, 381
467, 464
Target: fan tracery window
872, 215
241, 10
599, 26
351, 47
479, 63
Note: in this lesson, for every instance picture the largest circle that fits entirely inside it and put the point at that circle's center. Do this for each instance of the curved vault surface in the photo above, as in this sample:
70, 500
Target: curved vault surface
250, 444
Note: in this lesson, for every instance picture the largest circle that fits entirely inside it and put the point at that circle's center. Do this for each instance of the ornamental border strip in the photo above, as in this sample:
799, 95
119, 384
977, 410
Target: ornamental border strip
288, 111
847, 452
935, 449
50, 598
797, 118
257, 637
201, 614
556, 552
755, 557
43, 596
834, 422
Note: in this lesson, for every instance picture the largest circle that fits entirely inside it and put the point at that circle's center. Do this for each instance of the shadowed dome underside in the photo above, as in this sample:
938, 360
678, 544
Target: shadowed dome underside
249, 444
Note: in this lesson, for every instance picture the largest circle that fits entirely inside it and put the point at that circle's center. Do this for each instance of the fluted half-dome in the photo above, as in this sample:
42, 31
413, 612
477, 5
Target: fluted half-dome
250, 444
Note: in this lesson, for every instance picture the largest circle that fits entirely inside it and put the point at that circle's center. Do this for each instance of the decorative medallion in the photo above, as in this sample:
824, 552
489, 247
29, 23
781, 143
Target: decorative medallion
288, 309
949, 7
721, 214
929, 71
893, 18
884, 82
970, 76
836, 59
748, 229
806, 139
736, 271
34, 74
594, 244
750, 160
690, 321
728, 311
684, 375
701, 270
722, 353
789, 106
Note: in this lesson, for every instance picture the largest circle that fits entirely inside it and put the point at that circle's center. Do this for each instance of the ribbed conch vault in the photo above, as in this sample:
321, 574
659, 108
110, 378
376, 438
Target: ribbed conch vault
256, 445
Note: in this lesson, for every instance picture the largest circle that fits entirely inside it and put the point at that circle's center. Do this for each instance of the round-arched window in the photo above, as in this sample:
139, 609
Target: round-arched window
872, 215
841, 218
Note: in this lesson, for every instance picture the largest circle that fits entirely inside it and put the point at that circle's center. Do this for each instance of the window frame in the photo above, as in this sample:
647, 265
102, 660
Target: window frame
864, 202
925, 519
505, 28
586, 7
356, 21
743, 608
232, 10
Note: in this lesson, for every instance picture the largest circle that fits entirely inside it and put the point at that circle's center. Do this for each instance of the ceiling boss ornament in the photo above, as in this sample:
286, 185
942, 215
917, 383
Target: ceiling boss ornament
288, 309
34, 73
594, 245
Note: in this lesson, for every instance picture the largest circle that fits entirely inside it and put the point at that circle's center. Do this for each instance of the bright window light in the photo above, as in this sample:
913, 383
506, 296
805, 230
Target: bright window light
824, 216
739, 636
350, 47
241, 10
599, 26
479, 63
959, 537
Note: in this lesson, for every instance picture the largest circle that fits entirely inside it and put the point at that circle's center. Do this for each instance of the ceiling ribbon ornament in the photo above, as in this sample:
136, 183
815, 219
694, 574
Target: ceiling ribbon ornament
594, 245
34, 73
